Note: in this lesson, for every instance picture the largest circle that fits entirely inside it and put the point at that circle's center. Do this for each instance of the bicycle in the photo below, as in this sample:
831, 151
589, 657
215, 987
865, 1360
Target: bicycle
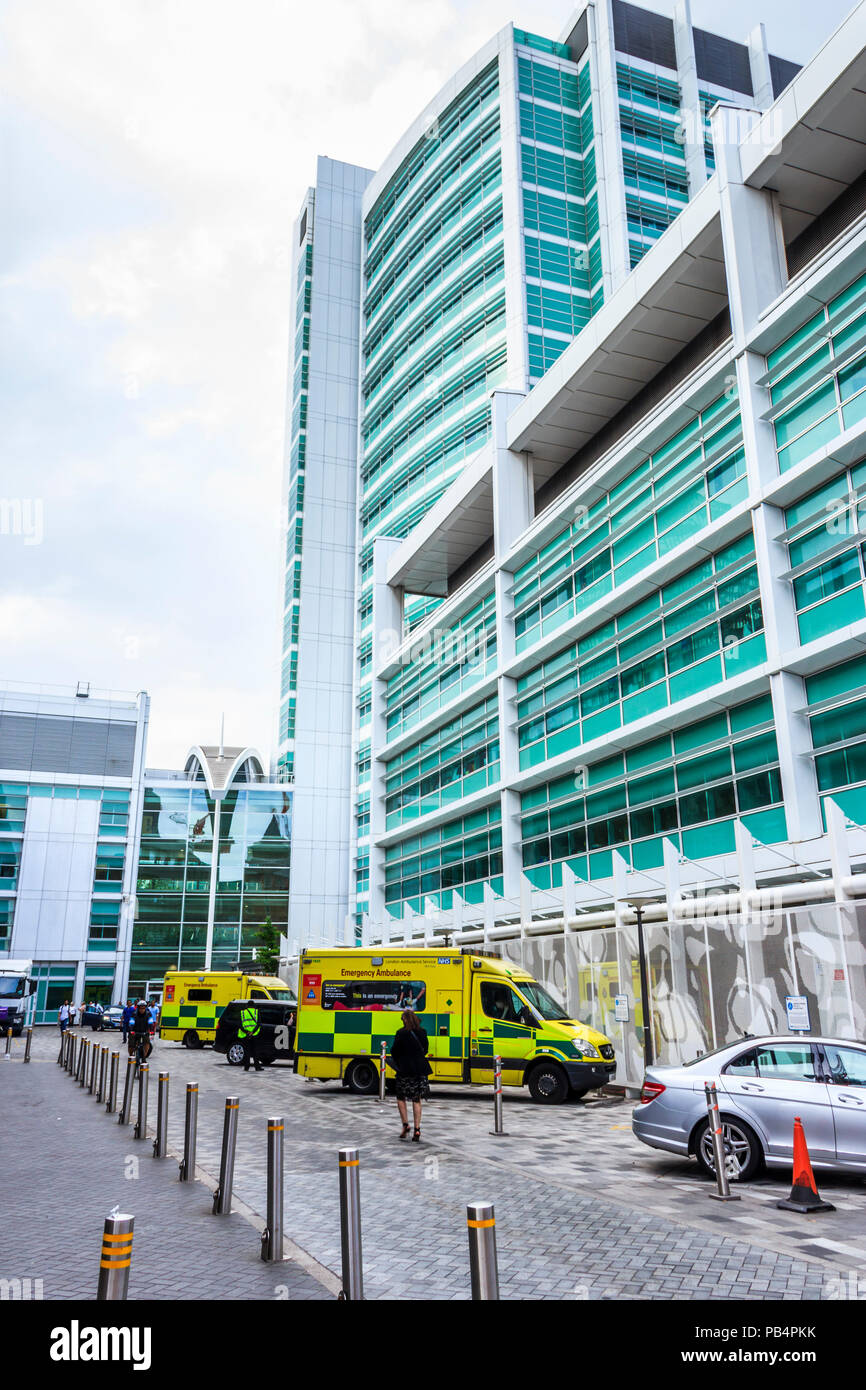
140, 1047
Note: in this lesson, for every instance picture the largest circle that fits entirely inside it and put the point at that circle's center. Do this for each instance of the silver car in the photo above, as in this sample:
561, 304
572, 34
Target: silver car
763, 1083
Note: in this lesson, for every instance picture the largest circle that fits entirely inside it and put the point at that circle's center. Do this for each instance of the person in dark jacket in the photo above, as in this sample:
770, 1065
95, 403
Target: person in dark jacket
126, 1019
409, 1059
139, 1030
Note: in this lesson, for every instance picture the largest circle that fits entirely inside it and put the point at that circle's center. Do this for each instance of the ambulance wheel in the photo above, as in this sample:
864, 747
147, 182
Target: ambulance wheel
362, 1078
191, 1039
548, 1084
235, 1054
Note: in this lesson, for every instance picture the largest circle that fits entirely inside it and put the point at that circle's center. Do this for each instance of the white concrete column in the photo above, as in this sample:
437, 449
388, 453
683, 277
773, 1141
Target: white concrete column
691, 112
759, 63
754, 248
387, 636
513, 510
840, 855
512, 217
615, 258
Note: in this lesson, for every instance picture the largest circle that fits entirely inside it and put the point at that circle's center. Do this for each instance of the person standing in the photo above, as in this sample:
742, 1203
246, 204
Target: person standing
249, 1033
126, 1018
409, 1059
63, 1016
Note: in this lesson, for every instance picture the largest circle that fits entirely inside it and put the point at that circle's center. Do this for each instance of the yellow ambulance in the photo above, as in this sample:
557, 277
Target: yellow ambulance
192, 1001
473, 1005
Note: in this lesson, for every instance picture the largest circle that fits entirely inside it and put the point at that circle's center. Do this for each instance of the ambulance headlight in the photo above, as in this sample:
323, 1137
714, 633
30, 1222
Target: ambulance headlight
587, 1050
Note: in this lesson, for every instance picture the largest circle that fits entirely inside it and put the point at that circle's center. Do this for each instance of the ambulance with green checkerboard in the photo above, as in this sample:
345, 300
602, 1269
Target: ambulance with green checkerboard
192, 1001
473, 1005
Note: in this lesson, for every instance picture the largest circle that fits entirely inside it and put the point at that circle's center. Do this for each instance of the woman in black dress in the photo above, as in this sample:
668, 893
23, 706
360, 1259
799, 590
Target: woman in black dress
409, 1059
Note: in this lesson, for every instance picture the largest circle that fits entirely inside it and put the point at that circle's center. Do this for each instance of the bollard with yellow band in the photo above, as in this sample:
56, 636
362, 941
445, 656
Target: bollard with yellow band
187, 1163
481, 1226
85, 1056
28, 1045
350, 1225
222, 1198
272, 1235
115, 1258
111, 1095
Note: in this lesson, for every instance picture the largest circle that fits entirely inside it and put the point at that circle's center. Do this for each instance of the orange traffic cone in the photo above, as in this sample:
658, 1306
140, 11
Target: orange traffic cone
804, 1193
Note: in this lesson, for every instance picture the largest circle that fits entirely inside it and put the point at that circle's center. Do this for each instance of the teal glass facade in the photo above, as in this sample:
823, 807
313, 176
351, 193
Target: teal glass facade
562, 236
295, 478
174, 875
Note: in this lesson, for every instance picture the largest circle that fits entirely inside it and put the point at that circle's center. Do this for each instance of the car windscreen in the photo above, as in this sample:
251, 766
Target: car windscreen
11, 986
541, 1001
282, 995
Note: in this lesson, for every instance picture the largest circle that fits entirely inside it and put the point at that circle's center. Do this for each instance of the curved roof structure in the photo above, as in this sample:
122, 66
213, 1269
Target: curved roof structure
221, 769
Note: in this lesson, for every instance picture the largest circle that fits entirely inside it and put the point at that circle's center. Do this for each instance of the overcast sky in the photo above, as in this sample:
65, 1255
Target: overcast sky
155, 153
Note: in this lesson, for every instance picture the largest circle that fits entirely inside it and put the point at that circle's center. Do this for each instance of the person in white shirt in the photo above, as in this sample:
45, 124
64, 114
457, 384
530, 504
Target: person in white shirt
63, 1016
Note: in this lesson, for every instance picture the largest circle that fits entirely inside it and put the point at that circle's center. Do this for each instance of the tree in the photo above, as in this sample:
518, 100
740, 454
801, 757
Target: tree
268, 948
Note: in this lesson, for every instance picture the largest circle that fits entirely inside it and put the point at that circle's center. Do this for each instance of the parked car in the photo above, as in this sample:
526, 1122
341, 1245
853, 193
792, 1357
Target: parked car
272, 1015
113, 1017
763, 1083
94, 1018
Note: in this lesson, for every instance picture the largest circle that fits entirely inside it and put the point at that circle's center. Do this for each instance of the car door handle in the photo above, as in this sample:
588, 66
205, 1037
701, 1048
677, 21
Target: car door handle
850, 1100
752, 1086
485, 1030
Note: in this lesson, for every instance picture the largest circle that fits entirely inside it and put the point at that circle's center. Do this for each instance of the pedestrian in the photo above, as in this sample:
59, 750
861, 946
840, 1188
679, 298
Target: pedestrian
250, 1033
126, 1018
63, 1016
409, 1059
139, 1030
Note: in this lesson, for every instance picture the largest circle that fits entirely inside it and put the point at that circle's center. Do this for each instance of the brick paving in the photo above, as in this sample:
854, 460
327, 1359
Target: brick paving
65, 1162
584, 1211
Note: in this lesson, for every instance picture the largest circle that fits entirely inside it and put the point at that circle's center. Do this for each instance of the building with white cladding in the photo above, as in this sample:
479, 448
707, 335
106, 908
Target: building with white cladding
610, 610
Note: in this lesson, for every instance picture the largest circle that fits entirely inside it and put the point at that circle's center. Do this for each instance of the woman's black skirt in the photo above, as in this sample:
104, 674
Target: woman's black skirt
412, 1088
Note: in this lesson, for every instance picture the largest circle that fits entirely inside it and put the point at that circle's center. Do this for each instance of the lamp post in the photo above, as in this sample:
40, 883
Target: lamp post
638, 905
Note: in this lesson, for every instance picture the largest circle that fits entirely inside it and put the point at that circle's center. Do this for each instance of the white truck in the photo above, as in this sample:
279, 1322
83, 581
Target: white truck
16, 987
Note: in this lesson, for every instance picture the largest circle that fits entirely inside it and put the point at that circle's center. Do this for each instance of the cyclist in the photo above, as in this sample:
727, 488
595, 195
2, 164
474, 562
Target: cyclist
140, 1045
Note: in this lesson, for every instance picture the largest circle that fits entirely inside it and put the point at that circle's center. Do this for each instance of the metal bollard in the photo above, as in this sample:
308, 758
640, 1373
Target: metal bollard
187, 1163
161, 1140
82, 1065
497, 1097
272, 1235
61, 1056
94, 1059
126, 1104
350, 1225
222, 1198
8, 1041
723, 1192
69, 1039
382, 1074
481, 1225
74, 1048
103, 1068
111, 1098
28, 1044
140, 1130
115, 1259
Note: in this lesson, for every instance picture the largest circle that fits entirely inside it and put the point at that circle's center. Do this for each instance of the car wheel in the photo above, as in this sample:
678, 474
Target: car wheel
235, 1054
742, 1146
548, 1084
191, 1039
362, 1078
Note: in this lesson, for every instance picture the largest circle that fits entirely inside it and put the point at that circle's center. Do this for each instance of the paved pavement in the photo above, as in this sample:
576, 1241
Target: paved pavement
65, 1163
583, 1210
